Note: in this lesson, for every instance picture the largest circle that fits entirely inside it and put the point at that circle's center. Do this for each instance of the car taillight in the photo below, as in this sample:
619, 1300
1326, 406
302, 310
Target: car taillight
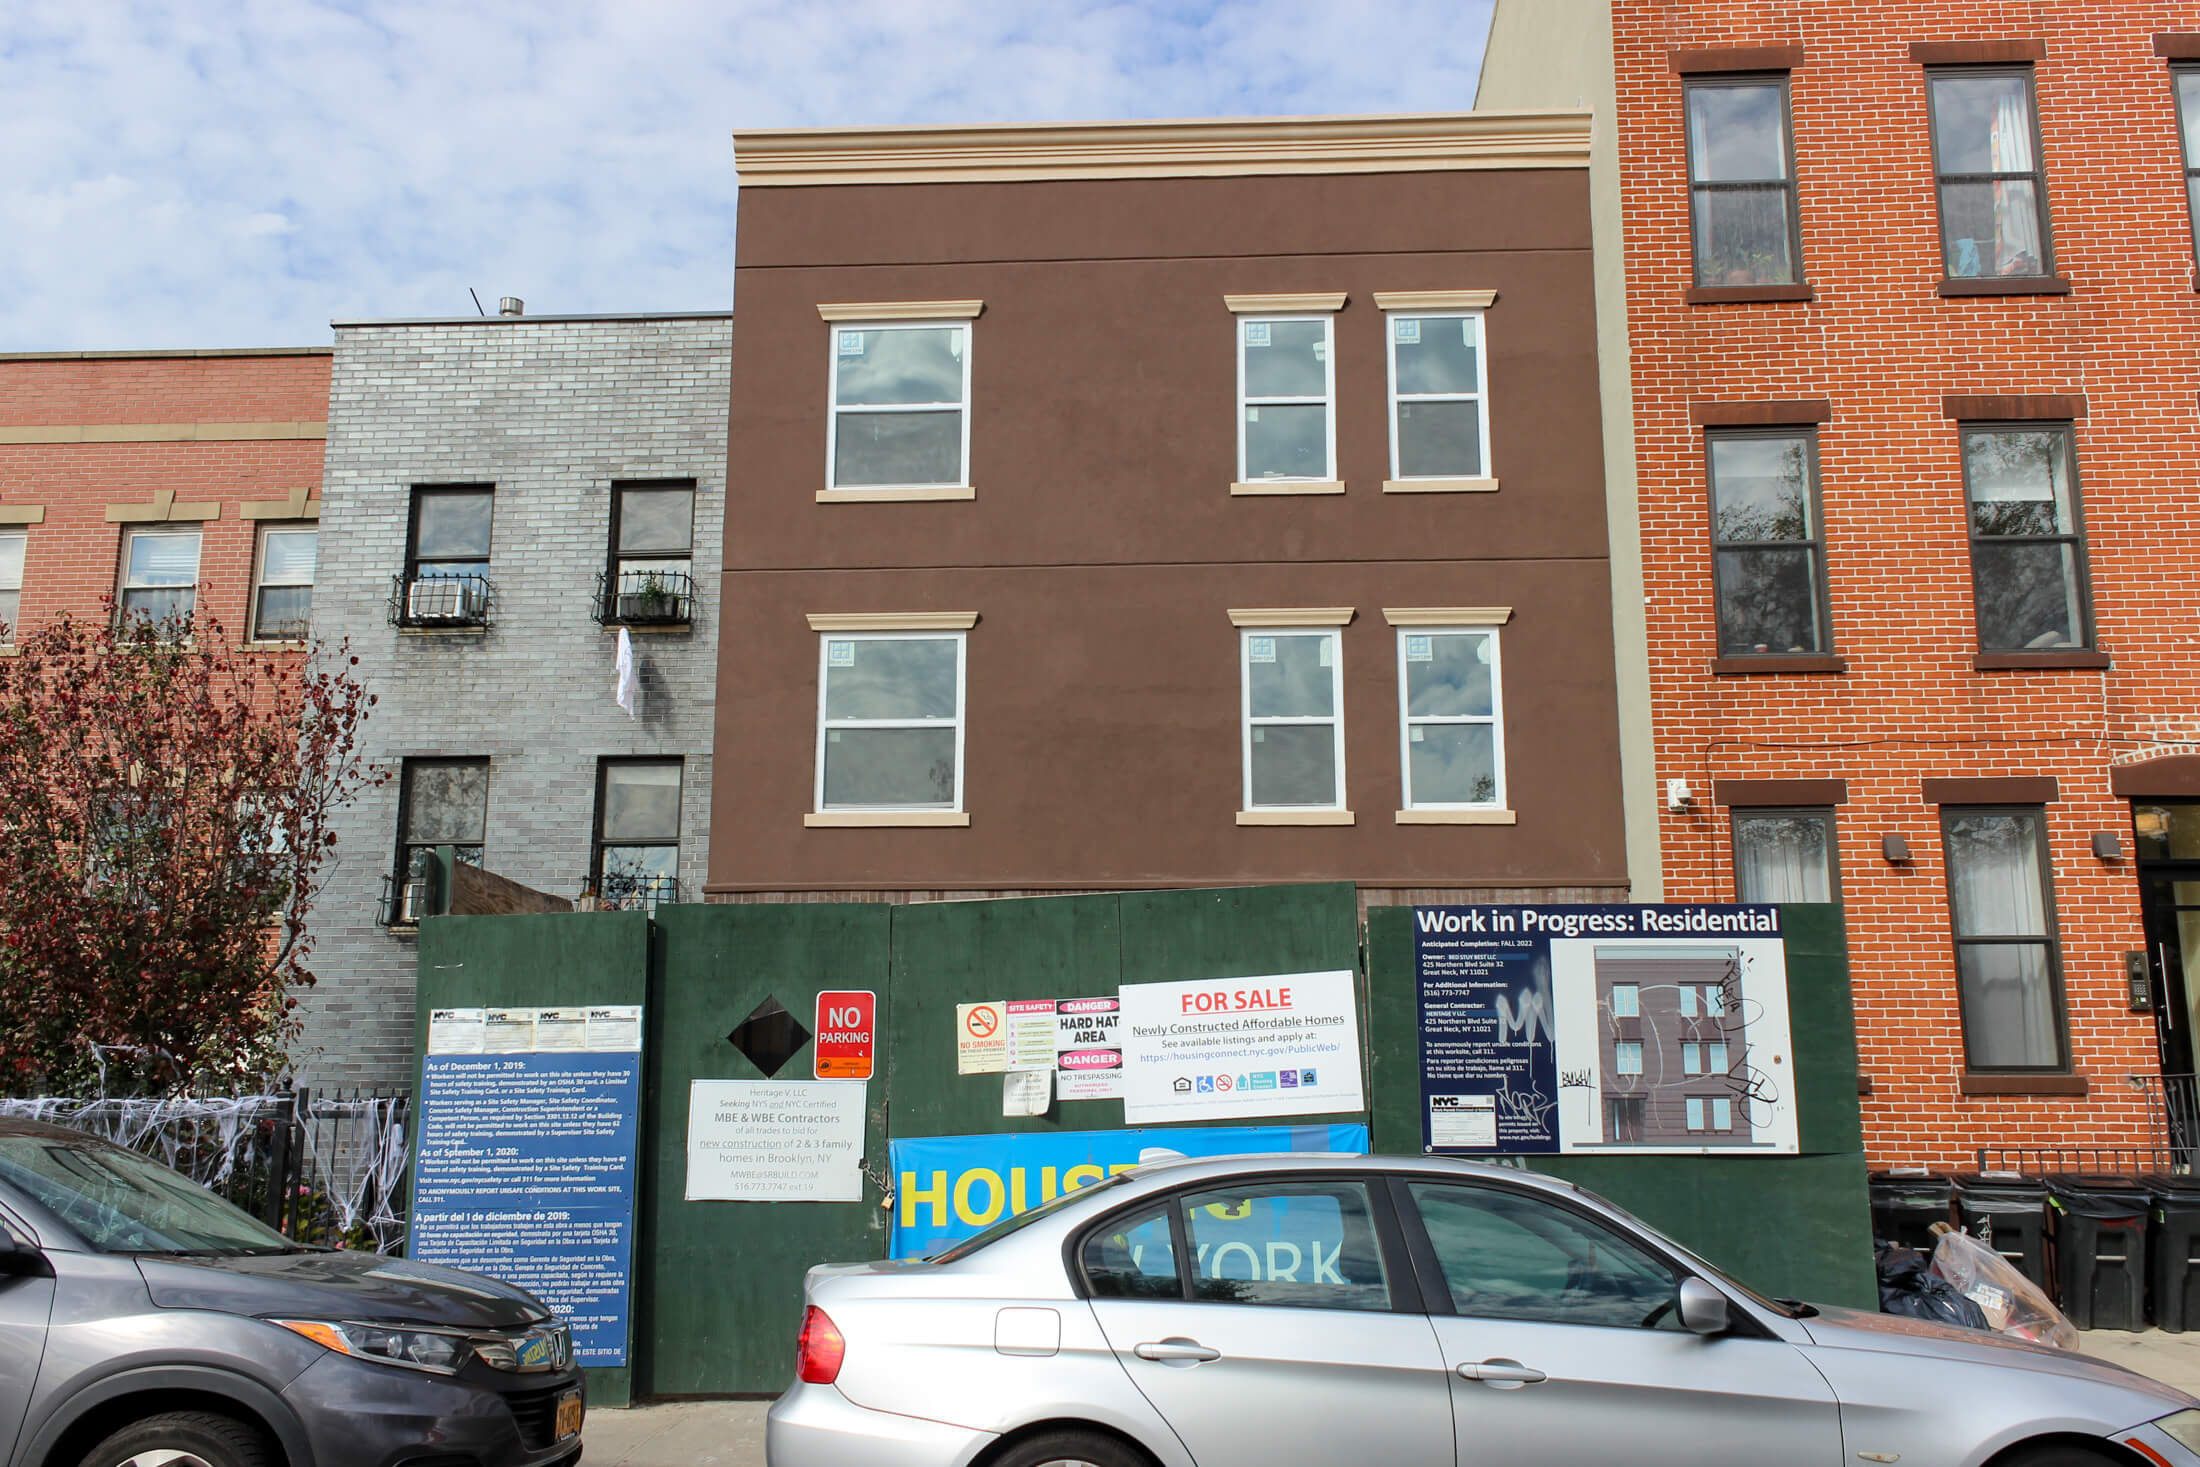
821, 1348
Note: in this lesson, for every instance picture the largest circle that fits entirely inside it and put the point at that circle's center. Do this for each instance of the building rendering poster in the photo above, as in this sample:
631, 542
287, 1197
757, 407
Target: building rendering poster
1588, 1029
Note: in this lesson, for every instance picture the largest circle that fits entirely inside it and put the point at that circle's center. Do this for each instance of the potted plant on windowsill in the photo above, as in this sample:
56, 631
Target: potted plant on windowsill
652, 601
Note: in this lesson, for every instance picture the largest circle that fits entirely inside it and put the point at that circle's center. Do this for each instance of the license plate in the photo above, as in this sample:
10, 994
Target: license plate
570, 1410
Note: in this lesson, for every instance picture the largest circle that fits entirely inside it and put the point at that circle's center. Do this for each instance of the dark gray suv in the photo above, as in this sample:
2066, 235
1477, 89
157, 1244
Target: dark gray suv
144, 1322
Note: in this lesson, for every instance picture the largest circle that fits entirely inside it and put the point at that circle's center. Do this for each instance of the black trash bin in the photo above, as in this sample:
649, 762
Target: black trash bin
2007, 1211
1905, 1205
2172, 1235
2097, 1240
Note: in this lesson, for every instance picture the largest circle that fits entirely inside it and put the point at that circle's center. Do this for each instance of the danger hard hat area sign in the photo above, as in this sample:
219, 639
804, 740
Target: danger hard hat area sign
847, 1033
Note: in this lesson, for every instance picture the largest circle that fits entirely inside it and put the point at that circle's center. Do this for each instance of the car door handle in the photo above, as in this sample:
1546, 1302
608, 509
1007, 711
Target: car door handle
1188, 1352
1503, 1372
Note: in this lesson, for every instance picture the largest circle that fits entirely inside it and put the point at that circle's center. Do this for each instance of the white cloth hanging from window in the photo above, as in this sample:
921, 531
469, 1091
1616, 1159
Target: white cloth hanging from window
630, 682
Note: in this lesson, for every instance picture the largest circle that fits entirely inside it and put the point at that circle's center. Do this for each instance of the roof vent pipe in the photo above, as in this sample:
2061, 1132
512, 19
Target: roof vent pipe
511, 305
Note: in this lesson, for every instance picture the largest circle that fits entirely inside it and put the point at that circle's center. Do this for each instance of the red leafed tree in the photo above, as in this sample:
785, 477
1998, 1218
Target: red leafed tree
164, 818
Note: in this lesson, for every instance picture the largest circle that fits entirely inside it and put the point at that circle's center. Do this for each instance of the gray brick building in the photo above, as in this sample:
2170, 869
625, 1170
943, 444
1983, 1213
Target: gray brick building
501, 495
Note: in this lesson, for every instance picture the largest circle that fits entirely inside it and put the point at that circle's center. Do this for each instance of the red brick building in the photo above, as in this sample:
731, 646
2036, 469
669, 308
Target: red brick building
1909, 309
141, 475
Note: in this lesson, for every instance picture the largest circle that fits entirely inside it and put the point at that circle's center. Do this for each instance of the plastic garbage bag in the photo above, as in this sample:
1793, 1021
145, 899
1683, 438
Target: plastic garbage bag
2010, 1303
1909, 1287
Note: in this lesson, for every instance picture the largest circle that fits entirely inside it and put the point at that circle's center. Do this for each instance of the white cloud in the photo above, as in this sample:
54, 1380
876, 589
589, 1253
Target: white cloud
238, 174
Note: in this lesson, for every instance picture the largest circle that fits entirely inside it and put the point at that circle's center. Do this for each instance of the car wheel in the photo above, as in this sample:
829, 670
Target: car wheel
183, 1439
2055, 1454
1072, 1449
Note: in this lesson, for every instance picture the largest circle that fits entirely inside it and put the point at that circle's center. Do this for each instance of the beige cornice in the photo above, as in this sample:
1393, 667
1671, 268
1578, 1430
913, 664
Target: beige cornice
1435, 300
863, 819
1439, 486
1290, 616
1294, 817
1255, 487
896, 494
164, 507
893, 621
22, 514
299, 506
902, 310
159, 432
1192, 148
1457, 817
1283, 305
1447, 616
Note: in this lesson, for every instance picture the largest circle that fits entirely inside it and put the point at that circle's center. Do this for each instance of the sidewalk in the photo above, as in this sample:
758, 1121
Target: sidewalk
731, 1433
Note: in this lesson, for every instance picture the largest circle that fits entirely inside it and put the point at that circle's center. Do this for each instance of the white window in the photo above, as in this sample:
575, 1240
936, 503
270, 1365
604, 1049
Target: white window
1715, 1057
160, 575
1691, 1059
1695, 1113
1450, 718
1704, 1000
282, 602
890, 733
1439, 422
11, 584
1627, 1057
900, 405
1287, 422
1626, 1001
1294, 719
1722, 1114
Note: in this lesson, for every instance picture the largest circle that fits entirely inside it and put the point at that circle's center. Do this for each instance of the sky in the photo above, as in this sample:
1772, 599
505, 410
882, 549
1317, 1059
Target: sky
241, 172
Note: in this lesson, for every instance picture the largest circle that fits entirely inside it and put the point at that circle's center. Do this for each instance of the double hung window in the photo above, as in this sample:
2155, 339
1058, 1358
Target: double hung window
900, 405
2187, 80
441, 802
1454, 742
1293, 718
2008, 952
160, 577
637, 857
12, 548
1766, 546
1627, 1057
1993, 194
1439, 420
1741, 182
652, 549
2028, 562
1710, 1113
890, 711
447, 563
1287, 425
1785, 856
282, 600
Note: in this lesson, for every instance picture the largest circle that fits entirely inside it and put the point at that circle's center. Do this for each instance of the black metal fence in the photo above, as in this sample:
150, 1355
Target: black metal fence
2173, 1119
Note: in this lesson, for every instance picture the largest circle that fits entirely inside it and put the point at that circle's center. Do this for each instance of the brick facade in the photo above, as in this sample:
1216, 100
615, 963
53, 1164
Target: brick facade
551, 411
1883, 350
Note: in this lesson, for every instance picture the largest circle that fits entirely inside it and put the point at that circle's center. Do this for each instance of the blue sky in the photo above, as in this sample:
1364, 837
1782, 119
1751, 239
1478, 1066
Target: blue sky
239, 173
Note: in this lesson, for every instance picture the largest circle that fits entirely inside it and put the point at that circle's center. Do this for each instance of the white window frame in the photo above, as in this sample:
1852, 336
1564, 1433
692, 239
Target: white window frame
1495, 718
1327, 402
1722, 1113
1480, 396
1633, 1010
1247, 723
260, 582
131, 535
12, 631
1621, 1048
825, 640
1695, 1112
1691, 1057
834, 409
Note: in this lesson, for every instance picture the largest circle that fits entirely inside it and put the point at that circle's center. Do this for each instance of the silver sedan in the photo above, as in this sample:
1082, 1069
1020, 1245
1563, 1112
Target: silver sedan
1274, 1310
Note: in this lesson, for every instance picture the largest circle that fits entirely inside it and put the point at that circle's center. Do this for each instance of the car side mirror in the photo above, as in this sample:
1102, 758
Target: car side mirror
1702, 1308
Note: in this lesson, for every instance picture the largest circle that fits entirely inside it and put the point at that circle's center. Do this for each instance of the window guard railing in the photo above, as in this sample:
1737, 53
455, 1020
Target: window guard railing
441, 601
403, 902
622, 892
645, 598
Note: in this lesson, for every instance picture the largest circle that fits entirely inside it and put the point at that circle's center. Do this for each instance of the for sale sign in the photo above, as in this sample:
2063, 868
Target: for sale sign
847, 1033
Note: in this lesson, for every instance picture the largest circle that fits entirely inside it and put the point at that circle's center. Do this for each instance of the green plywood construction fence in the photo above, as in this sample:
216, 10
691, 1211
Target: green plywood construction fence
1797, 1226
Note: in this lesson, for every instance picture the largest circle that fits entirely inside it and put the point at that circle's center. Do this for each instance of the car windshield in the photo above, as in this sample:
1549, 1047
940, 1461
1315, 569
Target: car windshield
121, 1202
1018, 1221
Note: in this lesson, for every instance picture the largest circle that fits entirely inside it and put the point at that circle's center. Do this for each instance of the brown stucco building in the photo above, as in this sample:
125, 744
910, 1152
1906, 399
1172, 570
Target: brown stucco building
1096, 488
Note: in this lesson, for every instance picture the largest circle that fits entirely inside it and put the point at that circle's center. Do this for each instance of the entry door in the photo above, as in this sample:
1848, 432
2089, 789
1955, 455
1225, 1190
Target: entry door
2171, 897
1564, 1344
1293, 1348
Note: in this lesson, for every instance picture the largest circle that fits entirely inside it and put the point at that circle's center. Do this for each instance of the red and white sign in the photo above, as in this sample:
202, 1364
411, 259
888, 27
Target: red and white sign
847, 1033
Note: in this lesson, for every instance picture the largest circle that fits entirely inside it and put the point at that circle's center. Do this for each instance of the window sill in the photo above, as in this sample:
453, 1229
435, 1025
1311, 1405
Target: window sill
1439, 486
1289, 486
1973, 1084
2018, 661
477, 629
289, 644
1713, 295
895, 495
1294, 817
1457, 817
2003, 285
849, 819
1749, 666
649, 628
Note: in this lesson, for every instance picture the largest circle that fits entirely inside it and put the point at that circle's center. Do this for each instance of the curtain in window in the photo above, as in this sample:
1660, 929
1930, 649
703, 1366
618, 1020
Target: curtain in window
2016, 207
1781, 858
1994, 880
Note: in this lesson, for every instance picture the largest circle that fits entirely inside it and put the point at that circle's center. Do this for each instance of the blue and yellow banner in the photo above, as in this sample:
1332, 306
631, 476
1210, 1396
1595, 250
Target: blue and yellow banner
949, 1187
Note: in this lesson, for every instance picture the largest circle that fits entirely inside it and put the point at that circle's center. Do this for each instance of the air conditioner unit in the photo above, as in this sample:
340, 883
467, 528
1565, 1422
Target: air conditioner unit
444, 599
413, 903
